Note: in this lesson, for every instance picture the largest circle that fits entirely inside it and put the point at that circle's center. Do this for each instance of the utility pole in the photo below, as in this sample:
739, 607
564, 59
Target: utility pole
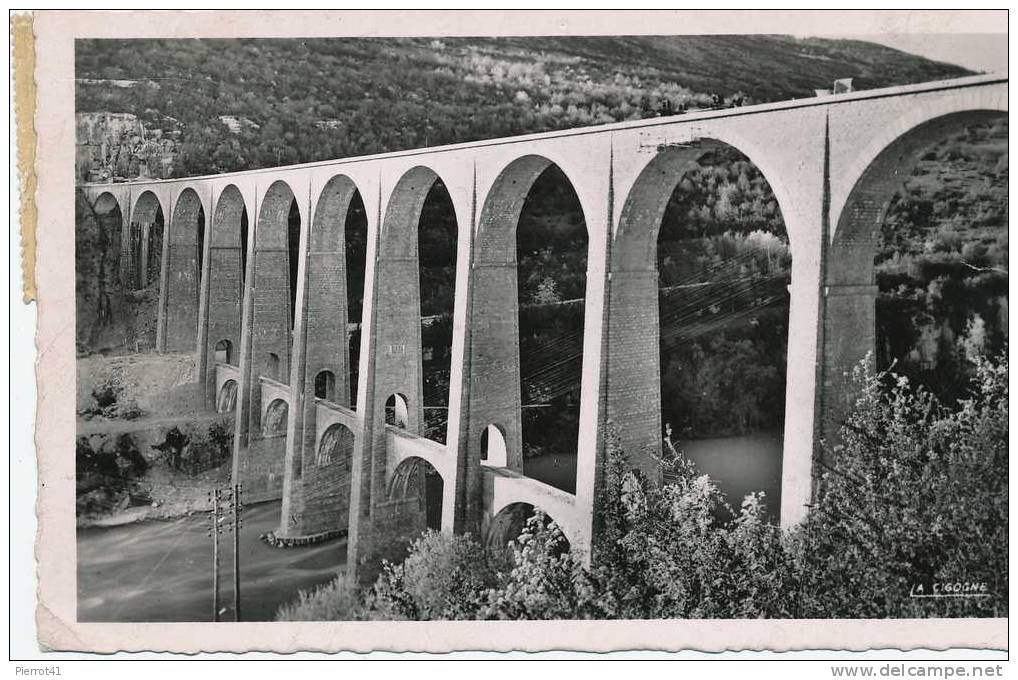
236, 551
214, 534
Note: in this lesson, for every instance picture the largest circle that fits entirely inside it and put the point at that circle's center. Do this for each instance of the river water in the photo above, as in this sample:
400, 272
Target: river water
162, 570
738, 465
741, 465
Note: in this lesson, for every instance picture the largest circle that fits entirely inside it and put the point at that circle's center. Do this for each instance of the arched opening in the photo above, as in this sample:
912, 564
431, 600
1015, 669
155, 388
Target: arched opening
702, 232
275, 418
415, 291
917, 271
147, 224
226, 402
508, 524
293, 254
244, 229
113, 258
356, 231
134, 259
223, 352
354, 348
416, 478
493, 448
551, 256
223, 313
155, 250
200, 246
397, 411
184, 271
336, 447
436, 244
325, 385
270, 369
527, 327
98, 264
329, 280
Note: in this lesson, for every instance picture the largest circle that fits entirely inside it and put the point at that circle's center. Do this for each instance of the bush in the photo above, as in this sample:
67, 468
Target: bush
915, 494
106, 473
334, 601
107, 393
195, 449
443, 577
670, 552
108, 401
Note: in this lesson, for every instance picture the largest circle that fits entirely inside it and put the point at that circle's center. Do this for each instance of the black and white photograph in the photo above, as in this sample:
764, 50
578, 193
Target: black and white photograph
635, 326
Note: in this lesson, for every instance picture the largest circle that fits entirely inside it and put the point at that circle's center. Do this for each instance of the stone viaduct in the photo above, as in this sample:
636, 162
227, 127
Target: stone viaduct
342, 459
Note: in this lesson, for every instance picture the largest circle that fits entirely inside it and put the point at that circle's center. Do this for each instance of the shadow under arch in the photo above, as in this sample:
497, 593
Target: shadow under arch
509, 523
635, 334
336, 447
849, 317
418, 487
183, 279
148, 225
106, 242
495, 392
325, 385
226, 402
276, 418
106, 203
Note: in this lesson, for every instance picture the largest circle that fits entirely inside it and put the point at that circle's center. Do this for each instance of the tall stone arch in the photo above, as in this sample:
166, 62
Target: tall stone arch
397, 298
494, 380
269, 288
148, 227
320, 347
183, 285
633, 389
230, 226
848, 320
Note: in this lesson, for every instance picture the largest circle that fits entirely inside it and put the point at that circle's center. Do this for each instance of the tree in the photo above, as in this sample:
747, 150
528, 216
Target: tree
915, 496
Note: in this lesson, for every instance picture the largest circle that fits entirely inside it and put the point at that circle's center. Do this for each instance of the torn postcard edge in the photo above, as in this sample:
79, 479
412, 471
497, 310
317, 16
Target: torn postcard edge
24, 112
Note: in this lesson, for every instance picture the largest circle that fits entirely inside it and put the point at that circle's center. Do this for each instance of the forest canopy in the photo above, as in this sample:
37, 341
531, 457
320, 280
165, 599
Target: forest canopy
295, 101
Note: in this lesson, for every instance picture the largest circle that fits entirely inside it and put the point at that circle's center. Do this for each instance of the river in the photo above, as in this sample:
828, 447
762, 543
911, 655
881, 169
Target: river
162, 570
739, 466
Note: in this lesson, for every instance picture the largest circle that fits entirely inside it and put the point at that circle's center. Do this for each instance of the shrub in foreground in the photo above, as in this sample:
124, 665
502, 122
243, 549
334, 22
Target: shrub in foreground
914, 495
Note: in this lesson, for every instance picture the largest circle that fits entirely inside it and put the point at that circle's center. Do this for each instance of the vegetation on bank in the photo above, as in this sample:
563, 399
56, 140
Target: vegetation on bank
912, 500
116, 471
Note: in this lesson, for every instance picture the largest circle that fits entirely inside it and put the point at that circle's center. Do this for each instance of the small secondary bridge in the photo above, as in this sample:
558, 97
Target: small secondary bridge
343, 457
